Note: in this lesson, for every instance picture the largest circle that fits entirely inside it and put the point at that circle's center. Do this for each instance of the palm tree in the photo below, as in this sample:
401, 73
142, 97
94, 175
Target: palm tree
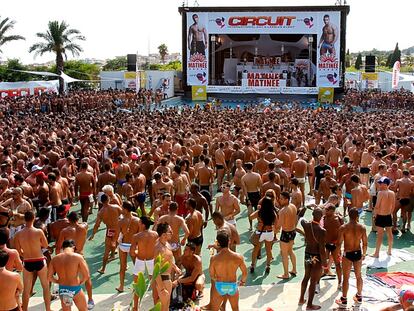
5, 26
163, 50
59, 39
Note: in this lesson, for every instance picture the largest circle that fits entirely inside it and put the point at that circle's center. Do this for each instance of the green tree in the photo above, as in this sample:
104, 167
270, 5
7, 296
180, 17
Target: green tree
163, 50
9, 72
395, 56
58, 39
80, 70
409, 61
381, 59
389, 60
358, 62
6, 25
116, 64
347, 59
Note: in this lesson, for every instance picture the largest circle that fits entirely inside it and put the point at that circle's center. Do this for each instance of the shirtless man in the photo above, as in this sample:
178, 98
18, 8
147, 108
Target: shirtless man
143, 250
16, 207
383, 211
404, 191
333, 156
230, 229
163, 284
221, 166
326, 185
197, 37
85, 187
353, 235
202, 203
366, 160
223, 272
10, 285
299, 170
109, 215
238, 175
205, 175
271, 185
181, 186
128, 226
162, 184
176, 223
120, 172
139, 194
287, 222
77, 232
163, 208
29, 242
14, 263
252, 183
359, 193
261, 164
194, 221
328, 38
72, 271
296, 195
105, 178
331, 223
228, 204
55, 196
194, 277
315, 257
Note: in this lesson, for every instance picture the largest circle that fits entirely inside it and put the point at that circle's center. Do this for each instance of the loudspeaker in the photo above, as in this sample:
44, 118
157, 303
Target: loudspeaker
131, 62
369, 63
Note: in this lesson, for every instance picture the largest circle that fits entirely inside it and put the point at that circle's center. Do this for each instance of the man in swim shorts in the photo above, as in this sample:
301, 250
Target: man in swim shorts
72, 271
223, 273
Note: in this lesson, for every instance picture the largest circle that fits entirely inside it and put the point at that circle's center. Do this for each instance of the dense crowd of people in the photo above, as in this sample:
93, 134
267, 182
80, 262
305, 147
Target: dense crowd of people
152, 176
376, 99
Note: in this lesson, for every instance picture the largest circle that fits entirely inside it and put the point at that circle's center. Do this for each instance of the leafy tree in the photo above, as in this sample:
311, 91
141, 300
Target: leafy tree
8, 72
381, 59
174, 65
396, 56
116, 64
154, 67
80, 70
58, 39
163, 50
358, 62
409, 61
389, 60
5, 26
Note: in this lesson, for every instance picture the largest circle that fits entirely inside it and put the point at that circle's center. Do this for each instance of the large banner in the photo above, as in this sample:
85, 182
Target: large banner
203, 28
369, 80
16, 89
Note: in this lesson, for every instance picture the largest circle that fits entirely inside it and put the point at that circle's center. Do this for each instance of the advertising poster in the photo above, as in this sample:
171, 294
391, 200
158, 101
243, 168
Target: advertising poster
326, 95
14, 89
130, 81
197, 49
199, 92
369, 80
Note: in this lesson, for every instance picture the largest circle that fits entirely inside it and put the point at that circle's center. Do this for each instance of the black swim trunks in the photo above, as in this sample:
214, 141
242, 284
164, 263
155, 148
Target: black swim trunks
198, 241
330, 246
364, 170
287, 236
253, 198
353, 255
219, 167
312, 259
205, 187
383, 221
33, 265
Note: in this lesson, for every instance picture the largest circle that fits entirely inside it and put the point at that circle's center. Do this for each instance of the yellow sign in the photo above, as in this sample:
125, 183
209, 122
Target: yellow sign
372, 76
199, 92
326, 95
130, 75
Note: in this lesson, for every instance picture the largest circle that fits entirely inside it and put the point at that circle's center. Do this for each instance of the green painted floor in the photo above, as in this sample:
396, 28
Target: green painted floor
106, 283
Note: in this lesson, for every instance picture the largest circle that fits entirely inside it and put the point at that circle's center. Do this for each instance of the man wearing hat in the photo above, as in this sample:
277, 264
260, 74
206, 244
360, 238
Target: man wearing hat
383, 210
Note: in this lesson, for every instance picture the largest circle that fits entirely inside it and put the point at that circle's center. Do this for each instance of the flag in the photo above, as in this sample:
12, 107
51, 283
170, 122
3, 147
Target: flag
396, 74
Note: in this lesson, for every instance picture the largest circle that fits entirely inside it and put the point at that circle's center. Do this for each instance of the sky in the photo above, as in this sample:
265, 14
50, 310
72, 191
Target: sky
115, 28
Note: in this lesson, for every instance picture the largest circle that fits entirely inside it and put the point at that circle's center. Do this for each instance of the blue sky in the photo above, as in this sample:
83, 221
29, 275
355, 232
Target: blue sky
127, 26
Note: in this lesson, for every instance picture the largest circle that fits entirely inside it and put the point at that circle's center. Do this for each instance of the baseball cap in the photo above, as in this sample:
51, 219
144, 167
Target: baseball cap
36, 168
407, 295
134, 156
278, 162
384, 180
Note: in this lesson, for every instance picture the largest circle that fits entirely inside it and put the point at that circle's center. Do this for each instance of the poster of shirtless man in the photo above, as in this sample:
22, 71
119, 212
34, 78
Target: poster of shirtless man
329, 37
197, 37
